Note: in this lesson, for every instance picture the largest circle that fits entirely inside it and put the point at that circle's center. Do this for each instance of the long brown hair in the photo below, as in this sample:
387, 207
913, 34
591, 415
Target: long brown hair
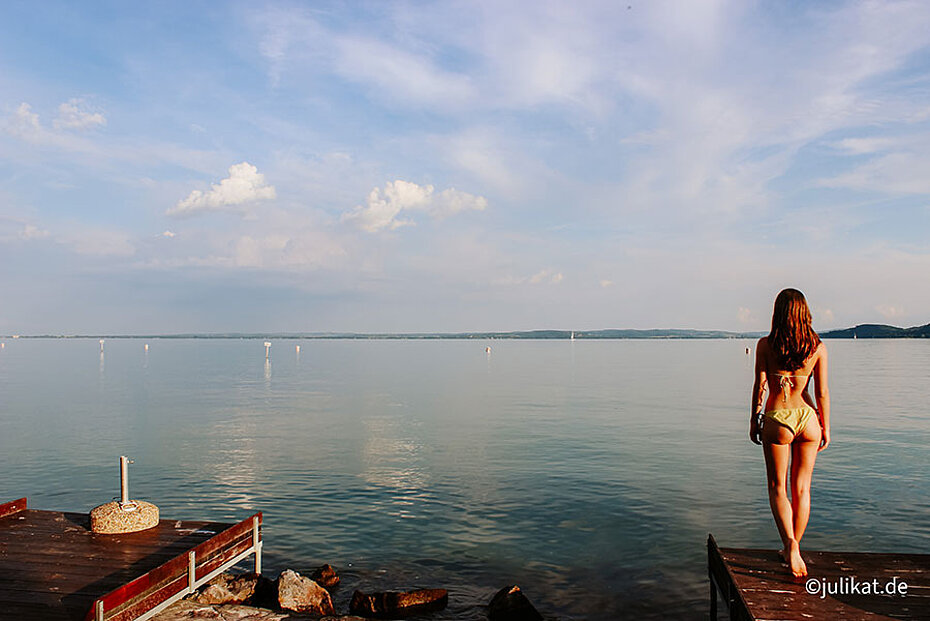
792, 338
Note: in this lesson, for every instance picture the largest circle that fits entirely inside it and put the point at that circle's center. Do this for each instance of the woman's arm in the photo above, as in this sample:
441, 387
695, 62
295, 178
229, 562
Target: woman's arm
822, 395
758, 391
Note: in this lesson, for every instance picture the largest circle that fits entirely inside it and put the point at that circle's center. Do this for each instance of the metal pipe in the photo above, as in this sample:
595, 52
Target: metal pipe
124, 479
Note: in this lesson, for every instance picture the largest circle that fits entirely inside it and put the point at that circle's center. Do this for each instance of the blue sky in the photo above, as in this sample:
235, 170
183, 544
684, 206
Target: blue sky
461, 166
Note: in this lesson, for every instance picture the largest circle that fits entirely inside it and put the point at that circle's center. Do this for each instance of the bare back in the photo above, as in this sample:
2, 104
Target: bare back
788, 389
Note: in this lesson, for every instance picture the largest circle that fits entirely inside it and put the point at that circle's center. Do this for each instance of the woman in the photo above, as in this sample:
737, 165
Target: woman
791, 426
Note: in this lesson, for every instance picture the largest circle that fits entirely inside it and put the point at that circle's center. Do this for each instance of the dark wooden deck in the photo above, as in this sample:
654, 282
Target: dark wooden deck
756, 584
53, 567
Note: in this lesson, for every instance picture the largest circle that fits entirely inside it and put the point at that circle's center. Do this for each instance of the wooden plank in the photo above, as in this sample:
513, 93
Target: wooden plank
768, 591
53, 567
14, 506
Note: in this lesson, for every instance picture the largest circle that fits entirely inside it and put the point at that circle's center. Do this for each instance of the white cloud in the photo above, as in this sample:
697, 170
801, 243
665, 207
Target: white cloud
30, 232
24, 123
606, 283
384, 205
890, 312
862, 146
895, 173
545, 277
73, 115
400, 74
244, 185
745, 315
168, 234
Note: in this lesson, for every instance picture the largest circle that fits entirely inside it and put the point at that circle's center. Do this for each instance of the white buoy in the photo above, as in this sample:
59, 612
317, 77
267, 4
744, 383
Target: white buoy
2, 345
267, 350
487, 349
146, 347
297, 348
101, 346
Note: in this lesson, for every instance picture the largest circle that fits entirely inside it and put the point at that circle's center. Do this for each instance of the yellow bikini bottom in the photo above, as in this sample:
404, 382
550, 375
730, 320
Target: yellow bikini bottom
795, 419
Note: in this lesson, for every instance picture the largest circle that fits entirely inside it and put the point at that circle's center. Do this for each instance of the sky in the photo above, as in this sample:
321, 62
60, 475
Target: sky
379, 166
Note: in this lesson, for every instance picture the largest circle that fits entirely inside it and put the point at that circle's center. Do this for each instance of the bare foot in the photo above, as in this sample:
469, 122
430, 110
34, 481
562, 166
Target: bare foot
793, 556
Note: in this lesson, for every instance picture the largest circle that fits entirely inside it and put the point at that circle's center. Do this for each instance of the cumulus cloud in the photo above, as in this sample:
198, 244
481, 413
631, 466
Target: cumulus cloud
606, 283
73, 114
383, 209
244, 185
23, 123
168, 234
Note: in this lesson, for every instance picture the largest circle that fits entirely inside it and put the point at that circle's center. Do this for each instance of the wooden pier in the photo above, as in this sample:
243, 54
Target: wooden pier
756, 584
52, 567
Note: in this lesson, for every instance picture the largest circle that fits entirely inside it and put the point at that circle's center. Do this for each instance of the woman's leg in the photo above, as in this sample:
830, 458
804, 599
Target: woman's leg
776, 446
803, 454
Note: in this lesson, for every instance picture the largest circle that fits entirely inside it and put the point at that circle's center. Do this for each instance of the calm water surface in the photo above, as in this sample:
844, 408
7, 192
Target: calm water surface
588, 472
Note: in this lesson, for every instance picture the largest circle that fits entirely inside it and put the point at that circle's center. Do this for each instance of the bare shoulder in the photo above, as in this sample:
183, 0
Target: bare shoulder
821, 351
763, 344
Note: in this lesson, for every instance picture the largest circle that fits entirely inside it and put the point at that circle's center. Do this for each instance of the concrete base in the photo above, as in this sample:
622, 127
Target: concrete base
111, 518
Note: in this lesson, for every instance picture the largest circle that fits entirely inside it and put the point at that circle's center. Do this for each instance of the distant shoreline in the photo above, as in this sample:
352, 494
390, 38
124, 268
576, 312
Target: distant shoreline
864, 331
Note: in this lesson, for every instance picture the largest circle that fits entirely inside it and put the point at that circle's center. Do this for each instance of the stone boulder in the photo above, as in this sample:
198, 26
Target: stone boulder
392, 604
300, 594
325, 576
510, 604
228, 589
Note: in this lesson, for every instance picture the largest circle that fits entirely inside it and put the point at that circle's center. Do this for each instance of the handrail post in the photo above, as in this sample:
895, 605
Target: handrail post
191, 571
256, 545
98, 605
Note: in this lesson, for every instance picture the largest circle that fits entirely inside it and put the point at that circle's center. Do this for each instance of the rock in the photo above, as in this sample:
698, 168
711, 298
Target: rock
510, 604
229, 589
189, 610
351, 618
300, 594
391, 604
325, 576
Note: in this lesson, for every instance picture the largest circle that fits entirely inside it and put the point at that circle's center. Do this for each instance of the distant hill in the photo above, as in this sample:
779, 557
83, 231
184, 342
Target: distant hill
527, 335
879, 331
863, 331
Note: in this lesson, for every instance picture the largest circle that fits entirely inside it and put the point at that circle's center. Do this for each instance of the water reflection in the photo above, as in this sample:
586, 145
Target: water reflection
589, 476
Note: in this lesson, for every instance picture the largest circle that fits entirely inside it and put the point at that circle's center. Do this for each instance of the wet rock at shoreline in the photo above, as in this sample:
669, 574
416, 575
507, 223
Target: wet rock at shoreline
510, 604
325, 576
391, 604
229, 589
301, 594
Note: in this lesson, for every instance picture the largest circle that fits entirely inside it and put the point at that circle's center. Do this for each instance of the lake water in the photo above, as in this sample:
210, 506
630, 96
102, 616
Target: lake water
587, 472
